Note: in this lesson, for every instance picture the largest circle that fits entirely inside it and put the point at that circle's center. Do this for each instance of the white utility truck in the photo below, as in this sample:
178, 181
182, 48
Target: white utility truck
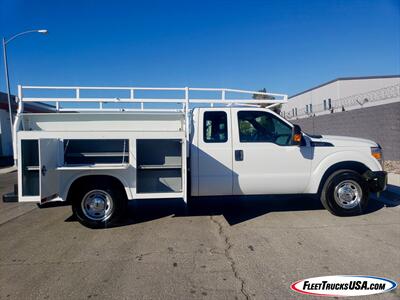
102, 146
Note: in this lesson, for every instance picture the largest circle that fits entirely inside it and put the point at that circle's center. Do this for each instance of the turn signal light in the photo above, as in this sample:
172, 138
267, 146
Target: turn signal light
376, 152
297, 138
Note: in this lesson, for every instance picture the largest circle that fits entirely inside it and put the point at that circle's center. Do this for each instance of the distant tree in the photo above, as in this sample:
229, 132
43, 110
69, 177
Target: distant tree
263, 97
276, 109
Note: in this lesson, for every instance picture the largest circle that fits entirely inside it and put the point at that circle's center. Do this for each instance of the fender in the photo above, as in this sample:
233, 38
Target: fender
76, 176
342, 156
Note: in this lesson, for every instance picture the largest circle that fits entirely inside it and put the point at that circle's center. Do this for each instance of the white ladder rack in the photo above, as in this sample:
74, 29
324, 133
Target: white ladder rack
185, 100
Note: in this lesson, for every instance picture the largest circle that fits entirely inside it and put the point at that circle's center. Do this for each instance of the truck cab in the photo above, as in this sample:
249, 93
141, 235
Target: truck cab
251, 150
240, 151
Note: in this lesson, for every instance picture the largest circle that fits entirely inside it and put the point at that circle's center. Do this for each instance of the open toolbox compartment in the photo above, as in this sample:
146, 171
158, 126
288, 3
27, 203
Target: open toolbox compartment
159, 165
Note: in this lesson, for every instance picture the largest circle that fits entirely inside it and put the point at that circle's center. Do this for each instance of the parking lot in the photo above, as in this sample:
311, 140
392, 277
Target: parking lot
251, 248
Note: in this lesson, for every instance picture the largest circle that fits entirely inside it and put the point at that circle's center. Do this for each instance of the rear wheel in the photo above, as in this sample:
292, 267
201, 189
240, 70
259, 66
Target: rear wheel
98, 204
345, 193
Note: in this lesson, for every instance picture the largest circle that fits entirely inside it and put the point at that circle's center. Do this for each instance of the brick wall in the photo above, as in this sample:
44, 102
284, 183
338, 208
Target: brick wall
378, 123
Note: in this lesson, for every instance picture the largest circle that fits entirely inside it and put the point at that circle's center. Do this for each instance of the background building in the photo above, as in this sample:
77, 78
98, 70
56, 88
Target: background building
340, 94
6, 151
367, 107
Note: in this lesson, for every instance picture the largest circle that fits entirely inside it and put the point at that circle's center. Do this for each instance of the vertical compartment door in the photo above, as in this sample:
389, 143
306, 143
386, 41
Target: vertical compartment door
48, 175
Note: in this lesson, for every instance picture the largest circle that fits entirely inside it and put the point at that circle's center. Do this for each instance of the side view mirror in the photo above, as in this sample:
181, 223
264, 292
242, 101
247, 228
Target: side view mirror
297, 136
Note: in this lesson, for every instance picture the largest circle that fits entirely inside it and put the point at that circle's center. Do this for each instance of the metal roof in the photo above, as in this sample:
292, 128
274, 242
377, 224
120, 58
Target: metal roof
30, 107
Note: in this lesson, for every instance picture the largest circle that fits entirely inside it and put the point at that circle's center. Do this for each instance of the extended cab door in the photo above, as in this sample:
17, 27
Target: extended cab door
213, 152
265, 162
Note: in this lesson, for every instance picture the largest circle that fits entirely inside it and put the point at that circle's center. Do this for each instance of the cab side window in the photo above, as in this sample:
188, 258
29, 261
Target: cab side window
215, 129
259, 126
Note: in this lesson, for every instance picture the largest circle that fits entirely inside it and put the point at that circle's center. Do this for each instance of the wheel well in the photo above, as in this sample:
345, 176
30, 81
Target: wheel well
344, 165
84, 180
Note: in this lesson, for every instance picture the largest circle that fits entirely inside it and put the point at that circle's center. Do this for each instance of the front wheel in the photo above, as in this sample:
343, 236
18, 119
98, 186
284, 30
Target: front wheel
345, 193
98, 204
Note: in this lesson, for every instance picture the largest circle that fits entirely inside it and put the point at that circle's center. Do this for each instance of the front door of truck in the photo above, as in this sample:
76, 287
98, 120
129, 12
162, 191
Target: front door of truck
264, 161
214, 152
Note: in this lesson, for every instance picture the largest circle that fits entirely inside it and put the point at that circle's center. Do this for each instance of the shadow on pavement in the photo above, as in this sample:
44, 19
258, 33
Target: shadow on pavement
393, 189
390, 197
234, 209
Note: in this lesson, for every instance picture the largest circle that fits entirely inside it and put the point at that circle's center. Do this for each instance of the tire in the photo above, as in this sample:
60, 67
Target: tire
345, 193
98, 204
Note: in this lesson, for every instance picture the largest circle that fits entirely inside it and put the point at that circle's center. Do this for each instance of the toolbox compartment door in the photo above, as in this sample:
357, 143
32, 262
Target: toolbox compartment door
49, 160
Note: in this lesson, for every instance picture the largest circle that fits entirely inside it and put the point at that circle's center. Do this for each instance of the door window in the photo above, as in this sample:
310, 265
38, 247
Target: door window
259, 126
215, 127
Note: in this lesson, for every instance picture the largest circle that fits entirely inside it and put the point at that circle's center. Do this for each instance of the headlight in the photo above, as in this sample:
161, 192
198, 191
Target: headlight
377, 153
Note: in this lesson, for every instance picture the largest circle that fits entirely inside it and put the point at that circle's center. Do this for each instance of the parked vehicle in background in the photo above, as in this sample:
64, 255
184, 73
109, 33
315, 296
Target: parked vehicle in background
100, 152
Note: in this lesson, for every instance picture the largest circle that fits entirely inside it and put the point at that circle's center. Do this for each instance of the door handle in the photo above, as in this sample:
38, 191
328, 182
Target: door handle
238, 155
44, 171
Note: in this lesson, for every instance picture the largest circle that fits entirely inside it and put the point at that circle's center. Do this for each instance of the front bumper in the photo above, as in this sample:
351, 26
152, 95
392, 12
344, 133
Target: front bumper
376, 181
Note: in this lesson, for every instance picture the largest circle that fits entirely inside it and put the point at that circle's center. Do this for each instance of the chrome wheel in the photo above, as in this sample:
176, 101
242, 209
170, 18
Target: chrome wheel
97, 205
348, 194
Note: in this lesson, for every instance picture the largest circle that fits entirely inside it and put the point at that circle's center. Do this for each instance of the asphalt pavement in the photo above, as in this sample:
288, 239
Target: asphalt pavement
250, 248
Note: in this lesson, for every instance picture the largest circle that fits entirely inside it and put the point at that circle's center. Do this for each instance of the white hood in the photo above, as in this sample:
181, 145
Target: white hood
345, 141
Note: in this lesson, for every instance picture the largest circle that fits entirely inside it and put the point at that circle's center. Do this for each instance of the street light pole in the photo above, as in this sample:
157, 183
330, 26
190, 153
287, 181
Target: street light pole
5, 42
8, 88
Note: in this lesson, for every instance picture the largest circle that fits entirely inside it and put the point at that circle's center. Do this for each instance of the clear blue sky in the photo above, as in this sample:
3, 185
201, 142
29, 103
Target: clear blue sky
284, 46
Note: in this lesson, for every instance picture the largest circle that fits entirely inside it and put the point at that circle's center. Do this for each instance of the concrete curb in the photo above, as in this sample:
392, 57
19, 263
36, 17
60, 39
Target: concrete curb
391, 196
8, 170
394, 179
